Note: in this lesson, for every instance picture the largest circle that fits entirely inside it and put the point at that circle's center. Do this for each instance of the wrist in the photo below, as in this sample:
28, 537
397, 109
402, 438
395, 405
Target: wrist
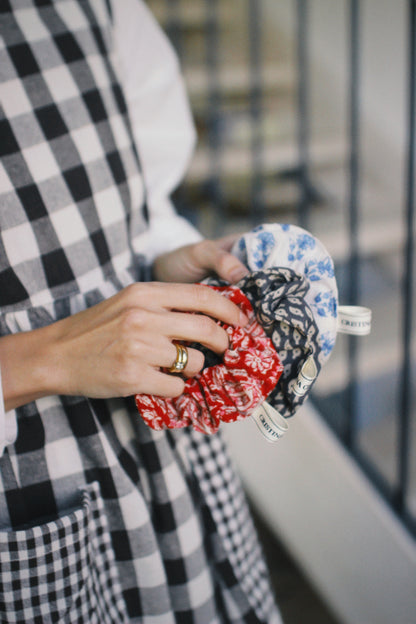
29, 369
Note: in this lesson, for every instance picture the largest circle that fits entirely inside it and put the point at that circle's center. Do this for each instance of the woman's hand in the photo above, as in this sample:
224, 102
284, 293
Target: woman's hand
118, 347
194, 262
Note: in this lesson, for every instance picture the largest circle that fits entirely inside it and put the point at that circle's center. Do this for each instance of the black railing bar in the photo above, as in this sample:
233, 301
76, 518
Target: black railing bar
316, 192
409, 521
405, 404
174, 25
214, 114
257, 208
353, 208
303, 111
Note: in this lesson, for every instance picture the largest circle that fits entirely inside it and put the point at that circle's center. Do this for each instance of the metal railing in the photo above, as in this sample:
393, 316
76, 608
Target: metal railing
395, 490
407, 381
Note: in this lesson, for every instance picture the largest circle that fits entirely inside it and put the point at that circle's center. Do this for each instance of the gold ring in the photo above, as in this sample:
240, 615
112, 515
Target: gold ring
181, 359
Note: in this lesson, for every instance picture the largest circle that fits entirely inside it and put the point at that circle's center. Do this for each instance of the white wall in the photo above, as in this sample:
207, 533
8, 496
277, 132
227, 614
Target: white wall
311, 493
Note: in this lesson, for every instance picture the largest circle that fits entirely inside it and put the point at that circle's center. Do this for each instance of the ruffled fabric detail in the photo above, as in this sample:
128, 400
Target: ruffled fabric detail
279, 299
228, 391
275, 245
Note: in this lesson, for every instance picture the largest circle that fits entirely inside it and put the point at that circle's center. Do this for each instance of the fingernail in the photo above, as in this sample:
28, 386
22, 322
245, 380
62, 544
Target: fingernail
243, 319
238, 273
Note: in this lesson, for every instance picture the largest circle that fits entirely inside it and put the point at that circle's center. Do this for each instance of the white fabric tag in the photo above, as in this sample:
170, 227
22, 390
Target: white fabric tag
271, 424
306, 377
354, 320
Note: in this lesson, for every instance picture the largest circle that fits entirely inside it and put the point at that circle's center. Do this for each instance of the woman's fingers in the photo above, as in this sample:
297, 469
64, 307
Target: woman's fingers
153, 296
198, 328
192, 263
152, 372
125, 344
215, 256
145, 326
194, 362
165, 358
162, 384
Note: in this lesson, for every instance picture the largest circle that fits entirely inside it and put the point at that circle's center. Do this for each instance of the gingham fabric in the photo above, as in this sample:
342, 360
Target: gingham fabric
154, 515
232, 527
71, 175
66, 565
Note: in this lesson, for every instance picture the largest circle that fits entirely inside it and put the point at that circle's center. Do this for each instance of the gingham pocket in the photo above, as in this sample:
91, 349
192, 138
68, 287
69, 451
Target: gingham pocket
63, 570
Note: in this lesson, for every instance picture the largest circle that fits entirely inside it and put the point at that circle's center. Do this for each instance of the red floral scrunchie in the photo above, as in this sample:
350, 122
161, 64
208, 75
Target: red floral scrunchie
228, 391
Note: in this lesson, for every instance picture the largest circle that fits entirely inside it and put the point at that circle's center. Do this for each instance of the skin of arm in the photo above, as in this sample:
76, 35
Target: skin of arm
120, 346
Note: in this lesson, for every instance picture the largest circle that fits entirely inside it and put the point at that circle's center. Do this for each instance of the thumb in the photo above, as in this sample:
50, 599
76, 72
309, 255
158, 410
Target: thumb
227, 266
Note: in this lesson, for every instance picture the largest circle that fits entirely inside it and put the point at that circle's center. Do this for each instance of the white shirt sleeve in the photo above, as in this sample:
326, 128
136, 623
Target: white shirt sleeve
161, 120
8, 424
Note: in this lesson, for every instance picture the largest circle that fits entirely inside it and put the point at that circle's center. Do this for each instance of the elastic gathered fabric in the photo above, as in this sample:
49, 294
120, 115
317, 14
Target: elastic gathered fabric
278, 296
282, 245
228, 391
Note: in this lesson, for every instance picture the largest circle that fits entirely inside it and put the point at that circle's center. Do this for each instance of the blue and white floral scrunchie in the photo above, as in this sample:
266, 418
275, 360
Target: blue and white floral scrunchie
293, 290
289, 246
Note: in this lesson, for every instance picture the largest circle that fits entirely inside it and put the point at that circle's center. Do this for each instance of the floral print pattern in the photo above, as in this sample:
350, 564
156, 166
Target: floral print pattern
278, 296
291, 299
289, 246
228, 391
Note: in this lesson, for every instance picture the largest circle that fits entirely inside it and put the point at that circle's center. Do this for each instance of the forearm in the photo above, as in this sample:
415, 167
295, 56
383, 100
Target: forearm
27, 366
118, 347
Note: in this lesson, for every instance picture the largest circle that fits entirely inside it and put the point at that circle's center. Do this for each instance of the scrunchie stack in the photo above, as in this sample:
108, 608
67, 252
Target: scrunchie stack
291, 299
228, 391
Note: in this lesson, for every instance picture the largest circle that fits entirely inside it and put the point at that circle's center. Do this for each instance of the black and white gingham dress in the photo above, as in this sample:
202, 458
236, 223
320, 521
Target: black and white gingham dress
102, 520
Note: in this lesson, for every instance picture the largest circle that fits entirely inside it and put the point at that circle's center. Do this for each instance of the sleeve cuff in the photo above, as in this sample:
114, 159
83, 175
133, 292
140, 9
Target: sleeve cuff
8, 424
